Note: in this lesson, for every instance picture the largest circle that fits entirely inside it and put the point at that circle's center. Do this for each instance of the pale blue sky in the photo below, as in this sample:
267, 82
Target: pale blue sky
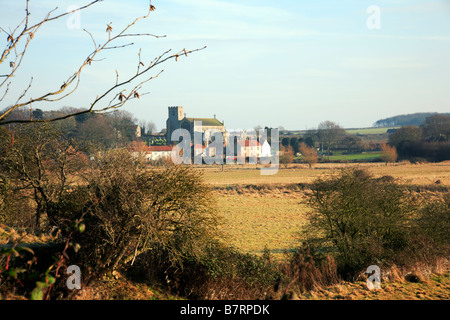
269, 63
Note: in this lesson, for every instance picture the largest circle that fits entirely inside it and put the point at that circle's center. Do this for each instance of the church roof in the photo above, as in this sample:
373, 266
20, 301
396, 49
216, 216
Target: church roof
209, 122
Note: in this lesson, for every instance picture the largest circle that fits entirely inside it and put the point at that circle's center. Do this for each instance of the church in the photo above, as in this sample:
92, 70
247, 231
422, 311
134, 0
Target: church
178, 120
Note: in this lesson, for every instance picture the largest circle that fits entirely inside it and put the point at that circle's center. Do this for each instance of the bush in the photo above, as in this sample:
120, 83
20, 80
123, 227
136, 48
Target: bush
222, 272
434, 221
38, 163
131, 210
360, 220
124, 209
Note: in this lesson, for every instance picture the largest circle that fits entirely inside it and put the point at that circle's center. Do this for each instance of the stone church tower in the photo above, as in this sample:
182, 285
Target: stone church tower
178, 120
173, 121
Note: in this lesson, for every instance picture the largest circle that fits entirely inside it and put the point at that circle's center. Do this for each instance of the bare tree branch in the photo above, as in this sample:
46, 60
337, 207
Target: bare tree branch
72, 83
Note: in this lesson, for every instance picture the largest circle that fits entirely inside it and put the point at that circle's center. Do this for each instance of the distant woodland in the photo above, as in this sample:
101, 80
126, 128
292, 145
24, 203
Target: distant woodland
413, 119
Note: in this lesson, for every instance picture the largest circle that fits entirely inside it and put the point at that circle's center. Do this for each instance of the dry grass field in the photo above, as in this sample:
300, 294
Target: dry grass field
268, 212
436, 287
253, 221
261, 211
416, 174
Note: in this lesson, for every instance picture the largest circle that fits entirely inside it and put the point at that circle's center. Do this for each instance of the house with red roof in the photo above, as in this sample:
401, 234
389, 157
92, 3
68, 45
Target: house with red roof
160, 152
149, 153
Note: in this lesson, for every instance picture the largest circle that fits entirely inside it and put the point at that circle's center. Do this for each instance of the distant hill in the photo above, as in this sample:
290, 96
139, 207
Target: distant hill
413, 119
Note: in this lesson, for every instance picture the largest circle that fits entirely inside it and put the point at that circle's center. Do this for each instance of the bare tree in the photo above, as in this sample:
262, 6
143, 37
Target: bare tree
120, 91
41, 161
287, 156
147, 127
309, 154
257, 128
329, 133
389, 153
151, 127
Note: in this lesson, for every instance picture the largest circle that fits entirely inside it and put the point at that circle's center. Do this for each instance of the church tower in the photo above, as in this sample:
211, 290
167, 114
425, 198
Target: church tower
173, 121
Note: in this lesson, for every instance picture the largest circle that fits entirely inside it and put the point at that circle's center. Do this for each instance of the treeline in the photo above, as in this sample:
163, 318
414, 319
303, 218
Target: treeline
427, 142
108, 130
328, 138
413, 119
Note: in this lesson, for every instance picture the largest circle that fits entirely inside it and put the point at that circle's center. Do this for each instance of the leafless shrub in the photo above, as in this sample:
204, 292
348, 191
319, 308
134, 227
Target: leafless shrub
132, 209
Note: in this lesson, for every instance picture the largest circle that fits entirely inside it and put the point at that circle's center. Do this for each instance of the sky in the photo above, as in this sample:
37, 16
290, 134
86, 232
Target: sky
289, 63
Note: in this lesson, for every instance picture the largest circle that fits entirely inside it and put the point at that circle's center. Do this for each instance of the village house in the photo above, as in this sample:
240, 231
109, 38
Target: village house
266, 150
149, 153
249, 148
160, 152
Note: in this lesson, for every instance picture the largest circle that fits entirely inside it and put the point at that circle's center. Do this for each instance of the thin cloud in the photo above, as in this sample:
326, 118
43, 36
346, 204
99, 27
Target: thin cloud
379, 63
222, 7
421, 8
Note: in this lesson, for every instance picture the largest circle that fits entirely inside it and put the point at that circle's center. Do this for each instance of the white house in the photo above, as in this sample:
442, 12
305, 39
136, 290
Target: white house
159, 152
266, 149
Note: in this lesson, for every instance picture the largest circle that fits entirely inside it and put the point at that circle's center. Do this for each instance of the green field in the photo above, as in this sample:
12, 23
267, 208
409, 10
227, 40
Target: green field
365, 156
366, 131
362, 131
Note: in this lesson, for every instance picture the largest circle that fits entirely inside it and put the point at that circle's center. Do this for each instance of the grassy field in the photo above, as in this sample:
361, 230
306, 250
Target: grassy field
260, 211
437, 287
253, 221
268, 212
365, 131
367, 156
362, 131
418, 174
